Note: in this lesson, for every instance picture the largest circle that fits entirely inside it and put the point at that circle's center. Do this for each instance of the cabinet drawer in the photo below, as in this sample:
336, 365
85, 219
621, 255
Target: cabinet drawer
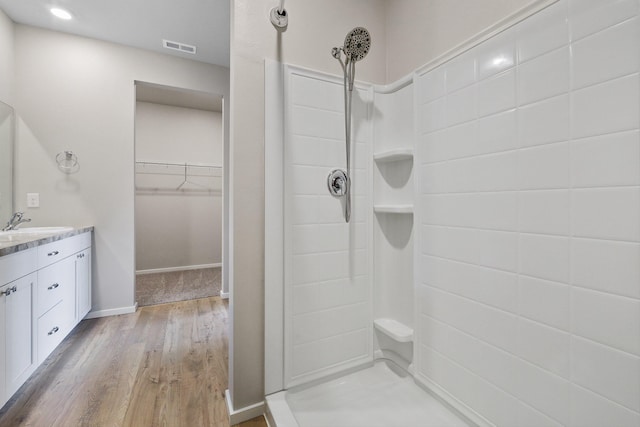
55, 283
55, 251
53, 326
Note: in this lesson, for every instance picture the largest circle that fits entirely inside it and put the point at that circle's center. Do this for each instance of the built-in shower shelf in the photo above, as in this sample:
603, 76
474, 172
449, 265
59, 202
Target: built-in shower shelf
396, 209
394, 329
394, 155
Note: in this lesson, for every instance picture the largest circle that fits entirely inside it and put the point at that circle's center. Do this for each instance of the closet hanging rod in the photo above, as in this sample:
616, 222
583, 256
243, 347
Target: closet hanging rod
189, 165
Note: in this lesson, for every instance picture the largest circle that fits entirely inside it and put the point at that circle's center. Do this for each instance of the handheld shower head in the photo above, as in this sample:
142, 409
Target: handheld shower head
357, 44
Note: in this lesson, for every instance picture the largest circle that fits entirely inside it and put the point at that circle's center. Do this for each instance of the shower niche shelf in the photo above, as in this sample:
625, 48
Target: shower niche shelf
394, 329
395, 155
393, 209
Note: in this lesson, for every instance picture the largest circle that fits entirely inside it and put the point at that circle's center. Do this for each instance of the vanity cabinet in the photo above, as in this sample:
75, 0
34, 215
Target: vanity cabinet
44, 293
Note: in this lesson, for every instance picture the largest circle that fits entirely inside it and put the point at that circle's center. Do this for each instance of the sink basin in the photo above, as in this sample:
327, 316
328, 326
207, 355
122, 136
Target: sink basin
38, 230
30, 233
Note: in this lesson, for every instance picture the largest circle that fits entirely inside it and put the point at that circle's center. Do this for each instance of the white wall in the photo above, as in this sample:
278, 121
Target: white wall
420, 30
314, 28
191, 218
529, 233
75, 93
6, 59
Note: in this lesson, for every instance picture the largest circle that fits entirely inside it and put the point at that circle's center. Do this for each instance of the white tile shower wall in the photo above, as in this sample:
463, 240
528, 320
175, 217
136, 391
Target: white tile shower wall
328, 323
528, 274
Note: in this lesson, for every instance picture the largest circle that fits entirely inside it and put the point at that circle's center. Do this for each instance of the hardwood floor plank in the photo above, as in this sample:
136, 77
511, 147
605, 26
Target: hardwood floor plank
164, 365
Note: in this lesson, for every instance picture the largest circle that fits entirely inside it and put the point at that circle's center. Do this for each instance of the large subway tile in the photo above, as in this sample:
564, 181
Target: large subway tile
308, 327
607, 319
461, 71
606, 55
497, 93
591, 16
544, 77
431, 85
607, 213
312, 122
462, 105
480, 395
612, 373
498, 249
496, 54
307, 180
545, 212
492, 287
543, 32
494, 172
544, 391
460, 141
609, 107
606, 160
325, 295
497, 211
497, 133
316, 355
606, 266
309, 151
482, 322
544, 167
432, 147
546, 347
592, 410
544, 301
544, 122
544, 257
491, 363
432, 116
458, 244
315, 93
530, 417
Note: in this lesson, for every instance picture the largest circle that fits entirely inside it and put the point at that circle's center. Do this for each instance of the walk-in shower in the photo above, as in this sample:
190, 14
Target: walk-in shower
356, 47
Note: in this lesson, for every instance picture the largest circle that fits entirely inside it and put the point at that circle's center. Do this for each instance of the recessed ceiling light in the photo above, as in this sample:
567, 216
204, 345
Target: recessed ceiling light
60, 13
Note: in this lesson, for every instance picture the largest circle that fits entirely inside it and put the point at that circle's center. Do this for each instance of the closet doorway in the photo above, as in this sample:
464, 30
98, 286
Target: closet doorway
179, 139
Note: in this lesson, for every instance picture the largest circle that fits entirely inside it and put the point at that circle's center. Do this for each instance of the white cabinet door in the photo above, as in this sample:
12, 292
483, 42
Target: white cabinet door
3, 309
83, 283
19, 352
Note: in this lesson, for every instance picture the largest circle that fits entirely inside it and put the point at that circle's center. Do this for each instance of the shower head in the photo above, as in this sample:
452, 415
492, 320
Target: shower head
357, 44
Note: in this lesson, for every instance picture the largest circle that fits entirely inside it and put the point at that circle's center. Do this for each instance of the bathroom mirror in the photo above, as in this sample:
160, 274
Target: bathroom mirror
6, 162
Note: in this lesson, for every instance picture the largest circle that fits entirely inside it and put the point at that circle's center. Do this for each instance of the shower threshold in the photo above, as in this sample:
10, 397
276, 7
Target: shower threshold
378, 396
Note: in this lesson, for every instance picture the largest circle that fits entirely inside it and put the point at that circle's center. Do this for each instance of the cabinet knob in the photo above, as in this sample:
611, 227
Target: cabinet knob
9, 291
53, 331
54, 253
80, 255
52, 287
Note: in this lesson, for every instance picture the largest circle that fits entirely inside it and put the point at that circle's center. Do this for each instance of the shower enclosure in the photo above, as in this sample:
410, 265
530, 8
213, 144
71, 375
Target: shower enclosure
494, 239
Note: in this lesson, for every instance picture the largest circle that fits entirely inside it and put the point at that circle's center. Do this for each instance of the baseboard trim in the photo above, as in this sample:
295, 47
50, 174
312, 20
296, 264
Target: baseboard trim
112, 312
237, 416
224, 295
182, 268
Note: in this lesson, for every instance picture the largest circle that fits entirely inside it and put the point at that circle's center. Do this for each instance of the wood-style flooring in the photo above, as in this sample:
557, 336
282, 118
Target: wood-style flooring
165, 365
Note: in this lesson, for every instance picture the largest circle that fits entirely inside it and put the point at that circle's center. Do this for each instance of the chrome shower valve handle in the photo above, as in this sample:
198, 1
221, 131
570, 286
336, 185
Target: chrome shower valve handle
338, 183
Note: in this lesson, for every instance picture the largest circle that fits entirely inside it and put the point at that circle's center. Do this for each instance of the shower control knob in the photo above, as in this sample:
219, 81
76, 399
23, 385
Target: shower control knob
338, 183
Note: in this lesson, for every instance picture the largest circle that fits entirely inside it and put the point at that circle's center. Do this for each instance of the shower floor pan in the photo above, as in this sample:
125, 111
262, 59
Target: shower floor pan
372, 397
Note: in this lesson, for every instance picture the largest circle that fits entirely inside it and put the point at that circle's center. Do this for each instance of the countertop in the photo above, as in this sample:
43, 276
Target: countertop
30, 241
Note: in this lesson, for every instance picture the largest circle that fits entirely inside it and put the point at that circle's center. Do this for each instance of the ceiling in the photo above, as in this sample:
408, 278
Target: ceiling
177, 97
138, 23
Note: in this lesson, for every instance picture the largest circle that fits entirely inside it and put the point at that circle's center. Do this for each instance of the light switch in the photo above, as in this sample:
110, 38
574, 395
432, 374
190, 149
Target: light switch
33, 200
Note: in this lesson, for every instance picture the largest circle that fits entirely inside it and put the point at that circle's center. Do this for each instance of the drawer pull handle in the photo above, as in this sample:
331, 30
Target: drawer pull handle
80, 255
9, 291
53, 331
54, 253
52, 287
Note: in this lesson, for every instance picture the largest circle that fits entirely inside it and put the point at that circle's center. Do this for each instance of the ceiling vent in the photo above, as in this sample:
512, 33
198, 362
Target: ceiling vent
186, 48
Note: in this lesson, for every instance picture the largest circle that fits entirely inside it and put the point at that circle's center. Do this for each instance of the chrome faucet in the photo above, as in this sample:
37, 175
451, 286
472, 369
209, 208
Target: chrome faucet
15, 221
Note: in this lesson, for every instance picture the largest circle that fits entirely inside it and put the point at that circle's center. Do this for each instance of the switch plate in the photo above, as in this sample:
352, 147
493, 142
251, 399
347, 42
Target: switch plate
33, 200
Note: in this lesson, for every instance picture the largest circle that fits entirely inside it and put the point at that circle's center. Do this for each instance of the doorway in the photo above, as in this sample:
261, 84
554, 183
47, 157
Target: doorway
179, 139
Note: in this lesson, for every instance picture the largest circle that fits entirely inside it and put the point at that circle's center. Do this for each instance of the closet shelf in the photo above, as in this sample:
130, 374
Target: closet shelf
398, 209
394, 329
394, 155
